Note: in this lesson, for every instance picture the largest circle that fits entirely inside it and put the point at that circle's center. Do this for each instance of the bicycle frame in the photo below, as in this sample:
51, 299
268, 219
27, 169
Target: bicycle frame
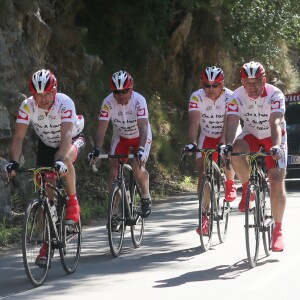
213, 208
124, 208
258, 215
40, 174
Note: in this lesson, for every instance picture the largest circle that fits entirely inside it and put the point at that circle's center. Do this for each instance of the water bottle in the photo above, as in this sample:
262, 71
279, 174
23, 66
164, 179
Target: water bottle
128, 196
53, 212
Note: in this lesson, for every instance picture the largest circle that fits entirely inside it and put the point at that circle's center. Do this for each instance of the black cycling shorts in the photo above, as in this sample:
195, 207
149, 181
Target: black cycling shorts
45, 154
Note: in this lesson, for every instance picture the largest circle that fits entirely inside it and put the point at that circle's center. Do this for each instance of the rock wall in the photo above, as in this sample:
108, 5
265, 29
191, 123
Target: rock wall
34, 35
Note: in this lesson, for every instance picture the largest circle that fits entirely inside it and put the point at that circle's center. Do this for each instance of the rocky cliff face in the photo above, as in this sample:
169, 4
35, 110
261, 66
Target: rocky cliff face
35, 35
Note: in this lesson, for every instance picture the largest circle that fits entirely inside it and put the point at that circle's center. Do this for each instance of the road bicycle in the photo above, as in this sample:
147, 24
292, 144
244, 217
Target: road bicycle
212, 205
124, 206
258, 216
44, 224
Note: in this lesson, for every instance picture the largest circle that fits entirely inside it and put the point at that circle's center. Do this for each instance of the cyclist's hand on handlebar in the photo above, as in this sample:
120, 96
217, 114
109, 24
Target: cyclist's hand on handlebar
228, 149
11, 168
221, 149
141, 155
276, 152
61, 167
192, 147
93, 155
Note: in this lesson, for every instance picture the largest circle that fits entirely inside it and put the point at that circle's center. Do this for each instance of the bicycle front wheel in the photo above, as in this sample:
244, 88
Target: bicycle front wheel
70, 237
267, 217
115, 225
205, 214
137, 228
222, 208
252, 225
36, 243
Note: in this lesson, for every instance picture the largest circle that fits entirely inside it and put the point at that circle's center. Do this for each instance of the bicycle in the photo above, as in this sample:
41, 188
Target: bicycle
44, 223
124, 207
258, 215
211, 195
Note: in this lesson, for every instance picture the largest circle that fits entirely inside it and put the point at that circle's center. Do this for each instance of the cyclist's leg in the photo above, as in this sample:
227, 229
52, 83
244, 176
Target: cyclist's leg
142, 176
244, 143
278, 202
44, 158
73, 209
277, 192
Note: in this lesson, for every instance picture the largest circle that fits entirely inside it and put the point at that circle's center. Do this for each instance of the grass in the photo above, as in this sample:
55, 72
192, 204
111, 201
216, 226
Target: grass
9, 234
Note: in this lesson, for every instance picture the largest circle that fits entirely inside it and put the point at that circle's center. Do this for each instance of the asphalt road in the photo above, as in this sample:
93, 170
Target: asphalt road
169, 264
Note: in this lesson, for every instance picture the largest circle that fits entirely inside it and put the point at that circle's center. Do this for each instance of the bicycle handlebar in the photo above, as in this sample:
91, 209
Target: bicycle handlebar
250, 154
118, 156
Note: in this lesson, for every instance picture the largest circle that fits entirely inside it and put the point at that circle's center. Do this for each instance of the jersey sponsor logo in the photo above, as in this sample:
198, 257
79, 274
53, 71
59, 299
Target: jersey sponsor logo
208, 108
106, 107
141, 112
26, 108
103, 114
232, 107
275, 104
22, 115
67, 114
194, 98
41, 117
193, 105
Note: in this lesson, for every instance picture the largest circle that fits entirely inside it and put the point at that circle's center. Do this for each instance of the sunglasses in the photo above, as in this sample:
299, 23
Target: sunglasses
214, 86
41, 96
118, 92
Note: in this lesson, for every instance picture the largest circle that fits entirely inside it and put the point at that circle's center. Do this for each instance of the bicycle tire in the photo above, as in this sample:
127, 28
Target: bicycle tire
70, 238
135, 207
267, 217
116, 218
222, 208
206, 210
33, 237
252, 226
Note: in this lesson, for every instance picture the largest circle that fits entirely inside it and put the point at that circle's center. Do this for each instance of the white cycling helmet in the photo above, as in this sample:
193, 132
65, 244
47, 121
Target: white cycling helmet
213, 74
43, 81
253, 69
121, 80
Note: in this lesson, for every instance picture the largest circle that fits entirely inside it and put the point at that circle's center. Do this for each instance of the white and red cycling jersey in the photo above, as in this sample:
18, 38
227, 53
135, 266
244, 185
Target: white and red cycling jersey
124, 117
255, 113
47, 123
211, 112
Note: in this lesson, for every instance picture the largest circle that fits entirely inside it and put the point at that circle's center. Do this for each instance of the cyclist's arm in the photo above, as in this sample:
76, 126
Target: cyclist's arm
66, 139
143, 131
222, 138
232, 123
194, 123
100, 133
275, 121
17, 141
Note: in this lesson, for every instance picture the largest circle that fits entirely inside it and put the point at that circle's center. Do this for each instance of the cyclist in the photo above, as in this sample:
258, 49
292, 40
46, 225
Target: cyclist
207, 112
58, 128
128, 112
261, 106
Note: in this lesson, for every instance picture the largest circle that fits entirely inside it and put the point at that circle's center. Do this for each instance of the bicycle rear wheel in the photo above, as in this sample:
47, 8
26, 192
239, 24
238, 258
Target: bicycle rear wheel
35, 233
222, 208
205, 214
267, 217
252, 224
70, 238
137, 228
115, 225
